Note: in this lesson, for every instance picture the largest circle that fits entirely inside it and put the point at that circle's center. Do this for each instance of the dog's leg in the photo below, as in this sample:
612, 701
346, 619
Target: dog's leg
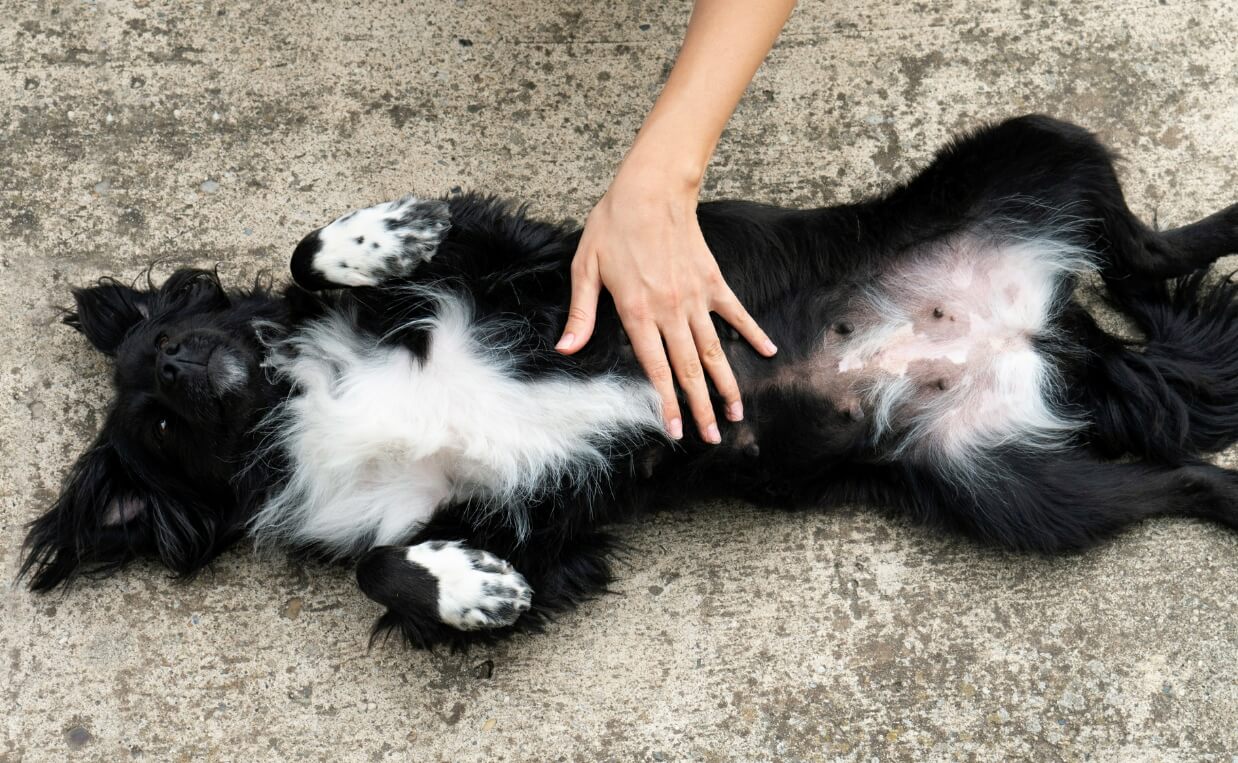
371, 246
442, 583
1067, 501
1047, 173
562, 566
1208, 239
1065, 167
1134, 253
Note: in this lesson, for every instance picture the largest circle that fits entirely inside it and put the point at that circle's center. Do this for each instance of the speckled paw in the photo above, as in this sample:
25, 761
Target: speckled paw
476, 589
372, 245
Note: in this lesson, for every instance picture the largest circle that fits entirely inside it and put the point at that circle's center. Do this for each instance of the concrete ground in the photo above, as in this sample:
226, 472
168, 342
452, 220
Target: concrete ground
212, 132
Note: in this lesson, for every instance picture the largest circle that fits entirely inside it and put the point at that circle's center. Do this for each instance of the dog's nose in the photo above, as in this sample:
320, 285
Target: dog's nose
168, 373
177, 361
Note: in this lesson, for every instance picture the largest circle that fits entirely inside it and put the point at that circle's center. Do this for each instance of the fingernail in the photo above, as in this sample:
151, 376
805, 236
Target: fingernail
770, 347
676, 429
735, 411
711, 434
566, 342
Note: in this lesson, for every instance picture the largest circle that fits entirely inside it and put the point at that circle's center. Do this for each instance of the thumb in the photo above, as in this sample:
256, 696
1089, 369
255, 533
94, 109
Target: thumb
586, 286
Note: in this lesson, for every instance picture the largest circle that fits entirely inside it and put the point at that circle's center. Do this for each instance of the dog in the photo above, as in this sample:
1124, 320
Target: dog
401, 405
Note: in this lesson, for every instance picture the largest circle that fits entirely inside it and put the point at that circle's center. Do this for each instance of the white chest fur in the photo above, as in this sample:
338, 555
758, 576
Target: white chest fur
377, 441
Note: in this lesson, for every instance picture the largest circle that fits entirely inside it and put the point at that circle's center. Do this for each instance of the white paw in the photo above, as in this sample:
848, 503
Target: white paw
372, 245
476, 589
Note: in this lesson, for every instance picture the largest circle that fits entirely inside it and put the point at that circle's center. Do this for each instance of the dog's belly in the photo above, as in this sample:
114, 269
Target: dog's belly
941, 351
378, 440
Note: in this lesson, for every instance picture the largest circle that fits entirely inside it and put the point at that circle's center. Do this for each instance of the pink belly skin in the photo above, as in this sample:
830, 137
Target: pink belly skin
941, 348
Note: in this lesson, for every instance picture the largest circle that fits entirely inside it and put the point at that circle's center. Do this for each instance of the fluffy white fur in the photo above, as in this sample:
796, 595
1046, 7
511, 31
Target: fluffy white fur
377, 441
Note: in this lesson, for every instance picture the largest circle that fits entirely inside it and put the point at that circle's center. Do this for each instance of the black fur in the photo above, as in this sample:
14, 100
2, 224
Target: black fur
1165, 401
385, 576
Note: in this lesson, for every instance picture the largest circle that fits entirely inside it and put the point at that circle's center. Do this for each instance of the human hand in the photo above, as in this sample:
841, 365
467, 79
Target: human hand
642, 242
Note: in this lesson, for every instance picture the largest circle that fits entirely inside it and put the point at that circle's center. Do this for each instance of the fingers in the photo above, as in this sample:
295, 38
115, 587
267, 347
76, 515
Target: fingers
581, 315
667, 316
714, 360
647, 345
690, 372
727, 305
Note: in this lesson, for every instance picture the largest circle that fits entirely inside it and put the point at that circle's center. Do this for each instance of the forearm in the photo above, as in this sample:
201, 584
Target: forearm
725, 43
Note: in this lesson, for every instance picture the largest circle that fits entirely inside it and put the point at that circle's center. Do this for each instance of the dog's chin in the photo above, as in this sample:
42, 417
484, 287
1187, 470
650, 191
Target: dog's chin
227, 371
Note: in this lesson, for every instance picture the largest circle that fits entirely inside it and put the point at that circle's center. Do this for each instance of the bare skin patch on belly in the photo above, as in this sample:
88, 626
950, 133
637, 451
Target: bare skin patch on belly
940, 350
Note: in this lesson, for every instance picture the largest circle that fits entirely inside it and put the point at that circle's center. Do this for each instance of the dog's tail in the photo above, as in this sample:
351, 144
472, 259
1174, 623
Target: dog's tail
1176, 397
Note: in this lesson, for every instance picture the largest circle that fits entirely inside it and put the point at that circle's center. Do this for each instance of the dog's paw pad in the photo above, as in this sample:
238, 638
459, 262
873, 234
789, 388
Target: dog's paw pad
476, 589
373, 245
502, 603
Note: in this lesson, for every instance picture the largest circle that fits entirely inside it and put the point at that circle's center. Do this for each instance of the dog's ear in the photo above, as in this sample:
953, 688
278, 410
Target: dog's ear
105, 313
100, 521
107, 515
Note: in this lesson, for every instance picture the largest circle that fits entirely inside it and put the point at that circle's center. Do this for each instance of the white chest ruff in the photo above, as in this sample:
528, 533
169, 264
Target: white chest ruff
378, 441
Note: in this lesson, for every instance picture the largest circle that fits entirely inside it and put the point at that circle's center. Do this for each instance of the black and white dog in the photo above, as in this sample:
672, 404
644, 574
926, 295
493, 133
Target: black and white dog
403, 405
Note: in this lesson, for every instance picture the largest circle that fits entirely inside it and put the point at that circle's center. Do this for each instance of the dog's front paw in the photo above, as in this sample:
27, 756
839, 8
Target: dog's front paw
372, 245
476, 589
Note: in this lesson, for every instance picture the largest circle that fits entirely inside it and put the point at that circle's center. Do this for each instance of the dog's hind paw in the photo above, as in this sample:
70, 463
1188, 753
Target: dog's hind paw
476, 589
372, 245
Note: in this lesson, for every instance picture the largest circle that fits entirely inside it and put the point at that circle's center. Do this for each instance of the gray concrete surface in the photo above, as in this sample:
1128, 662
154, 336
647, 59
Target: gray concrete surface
221, 131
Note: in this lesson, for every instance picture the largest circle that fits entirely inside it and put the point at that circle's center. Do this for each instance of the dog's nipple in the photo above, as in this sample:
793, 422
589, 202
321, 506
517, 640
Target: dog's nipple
852, 411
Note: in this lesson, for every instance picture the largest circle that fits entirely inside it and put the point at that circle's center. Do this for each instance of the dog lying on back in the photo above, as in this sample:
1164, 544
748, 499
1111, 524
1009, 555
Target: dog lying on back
403, 406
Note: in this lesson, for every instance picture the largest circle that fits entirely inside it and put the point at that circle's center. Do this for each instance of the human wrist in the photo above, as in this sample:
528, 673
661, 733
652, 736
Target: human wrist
641, 179
661, 162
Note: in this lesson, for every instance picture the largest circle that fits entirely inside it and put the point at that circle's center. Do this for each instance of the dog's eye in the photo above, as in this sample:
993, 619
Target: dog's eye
161, 428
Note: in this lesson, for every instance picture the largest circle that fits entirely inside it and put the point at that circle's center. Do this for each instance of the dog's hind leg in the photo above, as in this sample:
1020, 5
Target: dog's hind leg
1129, 250
1208, 239
1070, 169
1134, 254
1053, 502
1045, 172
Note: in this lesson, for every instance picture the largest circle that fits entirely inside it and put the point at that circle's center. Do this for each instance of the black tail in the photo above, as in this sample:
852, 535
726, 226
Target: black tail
1177, 396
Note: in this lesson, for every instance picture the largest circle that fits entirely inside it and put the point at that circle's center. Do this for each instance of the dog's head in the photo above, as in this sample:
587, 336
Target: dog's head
163, 476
